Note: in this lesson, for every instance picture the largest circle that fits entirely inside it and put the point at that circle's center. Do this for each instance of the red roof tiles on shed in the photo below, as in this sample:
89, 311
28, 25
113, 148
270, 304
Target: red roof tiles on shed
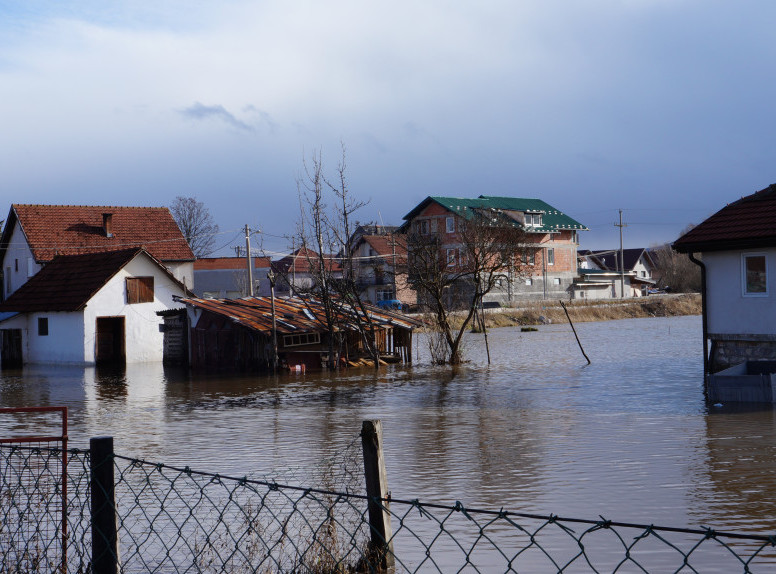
76, 229
747, 223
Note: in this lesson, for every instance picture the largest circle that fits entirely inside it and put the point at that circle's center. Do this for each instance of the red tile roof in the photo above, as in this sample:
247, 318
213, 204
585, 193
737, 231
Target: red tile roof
68, 282
300, 261
217, 263
75, 229
387, 245
747, 223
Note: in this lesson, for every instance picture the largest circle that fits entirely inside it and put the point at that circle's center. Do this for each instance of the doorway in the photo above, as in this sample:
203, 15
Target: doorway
11, 348
110, 340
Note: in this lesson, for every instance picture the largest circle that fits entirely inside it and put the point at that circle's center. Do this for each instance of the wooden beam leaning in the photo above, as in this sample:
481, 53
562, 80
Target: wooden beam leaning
381, 534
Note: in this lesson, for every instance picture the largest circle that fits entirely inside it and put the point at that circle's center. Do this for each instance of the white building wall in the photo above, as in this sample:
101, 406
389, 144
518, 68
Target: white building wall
62, 345
729, 311
183, 272
143, 340
18, 263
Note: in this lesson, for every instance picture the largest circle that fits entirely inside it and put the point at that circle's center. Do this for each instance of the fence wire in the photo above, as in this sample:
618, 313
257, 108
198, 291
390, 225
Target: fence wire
175, 520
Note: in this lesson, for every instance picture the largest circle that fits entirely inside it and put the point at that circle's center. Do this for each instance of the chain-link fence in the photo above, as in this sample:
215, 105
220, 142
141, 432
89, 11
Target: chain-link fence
175, 520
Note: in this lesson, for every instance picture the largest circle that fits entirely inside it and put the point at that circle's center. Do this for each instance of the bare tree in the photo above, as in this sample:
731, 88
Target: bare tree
196, 224
452, 282
674, 271
323, 232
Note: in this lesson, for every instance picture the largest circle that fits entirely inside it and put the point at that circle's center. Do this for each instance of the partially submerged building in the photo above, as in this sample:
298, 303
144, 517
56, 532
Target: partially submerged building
736, 250
237, 334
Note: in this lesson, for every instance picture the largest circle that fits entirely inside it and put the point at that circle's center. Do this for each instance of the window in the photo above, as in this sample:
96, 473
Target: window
434, 225
450, 257
450, 225
550, 256
556, 281
423, 227
42, 326
532, 258
140, 290
533, 219
384, 294
15, 265
755, 275
529, 281
303, 339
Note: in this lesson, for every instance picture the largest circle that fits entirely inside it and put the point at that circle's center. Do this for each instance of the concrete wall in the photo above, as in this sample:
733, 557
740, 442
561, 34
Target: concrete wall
729, 310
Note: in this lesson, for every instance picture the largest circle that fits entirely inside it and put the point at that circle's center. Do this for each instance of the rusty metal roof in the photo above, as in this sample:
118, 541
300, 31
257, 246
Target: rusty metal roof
294, 315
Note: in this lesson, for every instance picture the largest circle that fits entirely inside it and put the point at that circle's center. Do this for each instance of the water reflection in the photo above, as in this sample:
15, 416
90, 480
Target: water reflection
539, 430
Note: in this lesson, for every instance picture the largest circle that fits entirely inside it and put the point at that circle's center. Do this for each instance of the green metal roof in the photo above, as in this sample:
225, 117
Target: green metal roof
552, 219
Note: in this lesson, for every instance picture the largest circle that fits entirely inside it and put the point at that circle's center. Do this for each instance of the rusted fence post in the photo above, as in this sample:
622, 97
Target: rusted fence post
105, 546
381, 543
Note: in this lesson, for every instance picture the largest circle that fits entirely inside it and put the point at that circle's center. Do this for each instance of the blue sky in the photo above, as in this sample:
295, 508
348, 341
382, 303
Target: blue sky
662, 108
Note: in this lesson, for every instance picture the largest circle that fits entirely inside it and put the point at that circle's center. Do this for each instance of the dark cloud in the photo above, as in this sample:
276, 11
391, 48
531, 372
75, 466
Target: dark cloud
202, 112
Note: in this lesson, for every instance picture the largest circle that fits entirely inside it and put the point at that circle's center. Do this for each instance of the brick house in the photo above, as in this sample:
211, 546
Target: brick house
380, 262
549, 263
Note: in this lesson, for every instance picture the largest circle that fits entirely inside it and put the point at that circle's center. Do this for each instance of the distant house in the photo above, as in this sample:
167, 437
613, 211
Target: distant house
296, 272
93, 308
600, 276
227, 277
237, 334
736, 250
550, 264
380, 263
35, 234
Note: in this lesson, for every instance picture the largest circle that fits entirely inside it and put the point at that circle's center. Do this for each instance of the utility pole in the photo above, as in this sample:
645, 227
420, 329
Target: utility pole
248, 259
622, 258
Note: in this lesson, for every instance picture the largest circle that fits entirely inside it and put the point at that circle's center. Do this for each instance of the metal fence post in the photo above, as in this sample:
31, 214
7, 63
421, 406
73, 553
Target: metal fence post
105, 548
381, 543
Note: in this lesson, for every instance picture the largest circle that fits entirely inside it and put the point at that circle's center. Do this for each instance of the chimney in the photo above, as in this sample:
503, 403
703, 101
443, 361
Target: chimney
107, 224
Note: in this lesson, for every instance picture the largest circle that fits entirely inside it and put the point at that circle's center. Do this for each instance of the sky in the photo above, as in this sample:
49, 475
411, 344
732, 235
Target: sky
663, 109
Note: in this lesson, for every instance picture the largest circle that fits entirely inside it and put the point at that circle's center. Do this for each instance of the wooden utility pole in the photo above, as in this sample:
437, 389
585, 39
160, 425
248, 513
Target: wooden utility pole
248, 258
622, 258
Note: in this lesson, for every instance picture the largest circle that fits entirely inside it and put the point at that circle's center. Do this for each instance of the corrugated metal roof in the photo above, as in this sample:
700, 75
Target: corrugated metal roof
292, 314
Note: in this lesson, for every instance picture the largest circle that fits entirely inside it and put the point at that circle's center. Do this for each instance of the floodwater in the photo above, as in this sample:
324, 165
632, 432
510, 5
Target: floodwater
628, 437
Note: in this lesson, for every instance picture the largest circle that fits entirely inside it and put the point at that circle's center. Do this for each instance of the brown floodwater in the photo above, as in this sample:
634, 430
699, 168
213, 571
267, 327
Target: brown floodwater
628, 437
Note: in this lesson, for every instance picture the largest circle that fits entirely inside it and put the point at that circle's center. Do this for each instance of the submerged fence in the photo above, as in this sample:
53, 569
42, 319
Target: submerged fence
129, 515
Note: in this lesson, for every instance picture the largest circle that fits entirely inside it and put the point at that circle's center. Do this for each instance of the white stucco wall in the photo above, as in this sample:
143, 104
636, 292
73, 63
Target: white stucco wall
729, 311
143, 340
183, 272
62, 345
18, 255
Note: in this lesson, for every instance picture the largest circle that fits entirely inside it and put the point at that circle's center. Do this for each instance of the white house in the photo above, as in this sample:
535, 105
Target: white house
736, 250
87, 309
34, 234
599, 275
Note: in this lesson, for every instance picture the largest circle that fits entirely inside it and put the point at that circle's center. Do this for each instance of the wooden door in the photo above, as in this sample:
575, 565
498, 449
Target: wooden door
110, 340
11, 348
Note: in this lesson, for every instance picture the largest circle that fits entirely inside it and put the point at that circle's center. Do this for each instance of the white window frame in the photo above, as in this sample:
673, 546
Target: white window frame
434, 225
450, 224
550, 256
451, 257
744, 292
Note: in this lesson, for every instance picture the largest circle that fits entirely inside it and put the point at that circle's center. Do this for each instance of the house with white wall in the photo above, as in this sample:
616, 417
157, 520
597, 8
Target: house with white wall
87, 309
35, 234
736, 250
601, 275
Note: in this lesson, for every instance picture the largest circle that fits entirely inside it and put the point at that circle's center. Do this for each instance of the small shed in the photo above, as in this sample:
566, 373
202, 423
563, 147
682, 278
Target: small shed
237, 334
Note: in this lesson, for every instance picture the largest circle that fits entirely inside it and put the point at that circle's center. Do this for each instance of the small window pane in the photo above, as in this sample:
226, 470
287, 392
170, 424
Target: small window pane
42, 326
756, 279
